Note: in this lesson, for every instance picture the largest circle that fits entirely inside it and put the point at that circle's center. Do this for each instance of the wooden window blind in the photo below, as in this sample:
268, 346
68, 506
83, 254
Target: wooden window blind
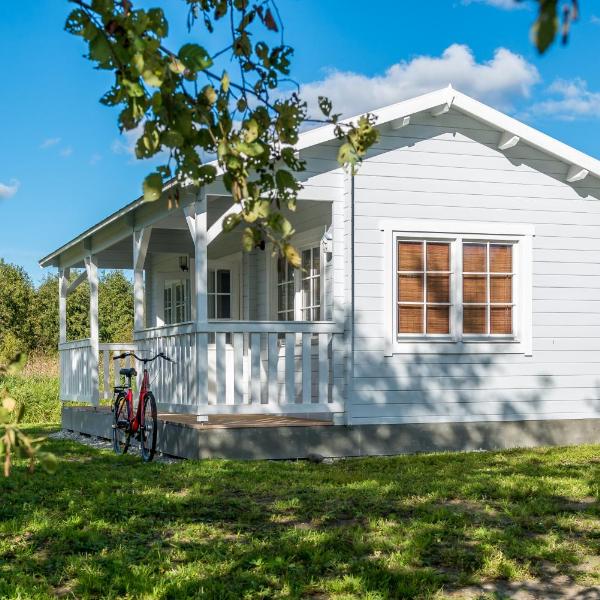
488, 288
423, 287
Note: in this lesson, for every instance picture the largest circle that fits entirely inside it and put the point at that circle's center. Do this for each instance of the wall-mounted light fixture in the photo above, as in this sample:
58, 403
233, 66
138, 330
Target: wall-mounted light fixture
183, 264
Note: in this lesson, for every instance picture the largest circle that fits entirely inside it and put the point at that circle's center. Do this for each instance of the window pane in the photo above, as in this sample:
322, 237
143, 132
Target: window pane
281, 269
500, 258
410, 319
223, 307
410, 256
316, 261
438, 257
306, 292
474, 319
290, 296
306, 314
410, 288
474, 288
438, 319
501, 288
501, 320
223, 281
316, 314
316, 300
438, 288
211, 281
306, 261
211, 307
474, 258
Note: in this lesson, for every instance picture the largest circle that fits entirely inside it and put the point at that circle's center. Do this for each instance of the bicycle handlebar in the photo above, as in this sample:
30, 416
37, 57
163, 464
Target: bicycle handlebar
144, 360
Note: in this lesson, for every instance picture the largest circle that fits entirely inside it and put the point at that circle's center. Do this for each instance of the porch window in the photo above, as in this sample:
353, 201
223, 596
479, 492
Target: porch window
311, 284
219, 294
177, 301
299, 291
285, 290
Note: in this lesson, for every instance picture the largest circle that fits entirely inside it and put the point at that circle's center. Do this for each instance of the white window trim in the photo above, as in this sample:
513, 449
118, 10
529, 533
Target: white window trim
302, 241
521, 235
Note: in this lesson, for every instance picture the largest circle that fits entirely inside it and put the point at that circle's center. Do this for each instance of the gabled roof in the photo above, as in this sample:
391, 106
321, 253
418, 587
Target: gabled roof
510, 132
441, 101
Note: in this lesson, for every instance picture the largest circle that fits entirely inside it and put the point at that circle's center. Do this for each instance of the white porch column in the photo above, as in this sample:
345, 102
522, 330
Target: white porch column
91, 267
63, 290
195, 215
141, 239
341, 220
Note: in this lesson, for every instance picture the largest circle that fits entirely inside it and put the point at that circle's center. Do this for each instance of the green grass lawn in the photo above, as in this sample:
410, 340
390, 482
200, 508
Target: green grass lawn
404, 527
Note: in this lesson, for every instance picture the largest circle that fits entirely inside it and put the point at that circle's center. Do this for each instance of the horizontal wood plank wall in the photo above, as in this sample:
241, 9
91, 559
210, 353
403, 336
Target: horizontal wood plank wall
449, 167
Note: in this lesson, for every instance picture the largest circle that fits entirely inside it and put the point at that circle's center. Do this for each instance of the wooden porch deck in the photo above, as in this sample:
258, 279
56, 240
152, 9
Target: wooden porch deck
242, 421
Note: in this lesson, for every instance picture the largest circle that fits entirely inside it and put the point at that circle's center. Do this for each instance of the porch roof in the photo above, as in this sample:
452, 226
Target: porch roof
119, 226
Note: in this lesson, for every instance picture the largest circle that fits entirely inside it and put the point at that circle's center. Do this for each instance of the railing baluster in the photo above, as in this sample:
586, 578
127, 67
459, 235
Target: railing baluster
255, 368
220, 369
306, 368
273, 358
238, 367
323, 368
290, 368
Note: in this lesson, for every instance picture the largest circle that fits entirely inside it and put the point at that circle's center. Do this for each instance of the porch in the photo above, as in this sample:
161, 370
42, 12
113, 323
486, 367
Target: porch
247, 337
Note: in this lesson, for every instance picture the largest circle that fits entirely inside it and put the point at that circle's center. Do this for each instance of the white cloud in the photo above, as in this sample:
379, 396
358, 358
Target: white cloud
503, 4
500, 81
95, 159
65, 152
8, 190
595, 20
49, 142
571, 99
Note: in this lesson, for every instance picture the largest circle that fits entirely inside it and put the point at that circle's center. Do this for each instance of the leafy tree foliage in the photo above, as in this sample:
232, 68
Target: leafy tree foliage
16, 294
29, 316
190, 104
553, 21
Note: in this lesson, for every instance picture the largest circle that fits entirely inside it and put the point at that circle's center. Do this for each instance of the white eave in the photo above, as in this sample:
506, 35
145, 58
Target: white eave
511, 132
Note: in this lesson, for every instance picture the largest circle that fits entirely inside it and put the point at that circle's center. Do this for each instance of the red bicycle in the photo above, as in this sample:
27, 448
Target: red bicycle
141, 423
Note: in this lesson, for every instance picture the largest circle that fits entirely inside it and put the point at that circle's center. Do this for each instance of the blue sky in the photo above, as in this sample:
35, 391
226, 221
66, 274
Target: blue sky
64, 166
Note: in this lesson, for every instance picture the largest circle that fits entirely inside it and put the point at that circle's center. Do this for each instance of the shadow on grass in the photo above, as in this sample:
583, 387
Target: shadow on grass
401, 527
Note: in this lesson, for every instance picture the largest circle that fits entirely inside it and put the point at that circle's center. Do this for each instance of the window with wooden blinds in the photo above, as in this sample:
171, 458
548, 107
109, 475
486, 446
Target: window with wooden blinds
487, 288
423, 292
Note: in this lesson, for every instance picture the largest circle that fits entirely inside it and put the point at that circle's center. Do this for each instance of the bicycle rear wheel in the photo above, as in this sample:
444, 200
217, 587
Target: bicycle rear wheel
148, 428
120, 426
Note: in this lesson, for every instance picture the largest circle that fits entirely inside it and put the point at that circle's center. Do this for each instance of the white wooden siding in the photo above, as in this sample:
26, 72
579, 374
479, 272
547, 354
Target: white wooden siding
450, 168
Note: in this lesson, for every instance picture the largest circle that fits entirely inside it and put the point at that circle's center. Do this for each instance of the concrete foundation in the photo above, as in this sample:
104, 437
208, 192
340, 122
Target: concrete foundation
288, 442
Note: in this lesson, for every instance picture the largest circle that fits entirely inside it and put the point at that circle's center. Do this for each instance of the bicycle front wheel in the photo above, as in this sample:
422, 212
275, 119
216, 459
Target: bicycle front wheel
120, 426
148, 428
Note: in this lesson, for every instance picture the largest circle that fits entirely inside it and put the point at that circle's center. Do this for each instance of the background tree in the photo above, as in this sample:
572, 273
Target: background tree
115, 308
16, 295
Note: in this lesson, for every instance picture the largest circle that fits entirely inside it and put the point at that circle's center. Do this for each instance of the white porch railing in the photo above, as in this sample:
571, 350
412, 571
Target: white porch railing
79, 375
253, 367
76, 371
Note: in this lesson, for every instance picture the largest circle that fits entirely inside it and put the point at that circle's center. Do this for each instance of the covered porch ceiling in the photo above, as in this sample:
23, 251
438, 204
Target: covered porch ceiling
170, 234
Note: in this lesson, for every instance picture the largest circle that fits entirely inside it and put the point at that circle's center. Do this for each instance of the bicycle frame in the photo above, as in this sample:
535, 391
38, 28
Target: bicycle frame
138, 419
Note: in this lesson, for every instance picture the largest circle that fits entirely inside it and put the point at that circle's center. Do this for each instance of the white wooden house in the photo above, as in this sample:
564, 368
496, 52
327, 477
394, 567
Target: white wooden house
454, 282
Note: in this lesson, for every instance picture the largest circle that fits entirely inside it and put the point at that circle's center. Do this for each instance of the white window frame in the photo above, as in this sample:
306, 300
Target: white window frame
457, 232
302, 241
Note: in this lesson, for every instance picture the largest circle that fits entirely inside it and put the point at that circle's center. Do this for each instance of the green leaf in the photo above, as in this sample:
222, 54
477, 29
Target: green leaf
48, 461
252, 150
231, 222
291, 255
152, 187
248, 242
195, 57
285, 180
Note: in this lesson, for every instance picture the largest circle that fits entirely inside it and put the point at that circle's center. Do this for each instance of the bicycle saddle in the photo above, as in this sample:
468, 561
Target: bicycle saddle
128, 372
